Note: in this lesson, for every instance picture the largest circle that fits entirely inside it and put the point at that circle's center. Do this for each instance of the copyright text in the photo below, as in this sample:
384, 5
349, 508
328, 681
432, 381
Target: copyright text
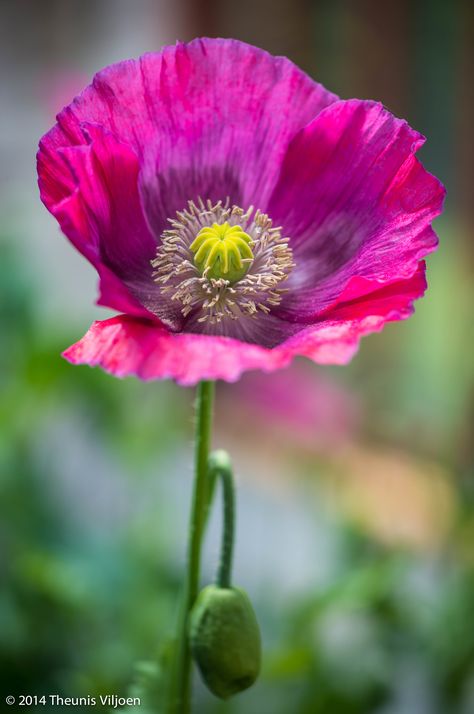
104, 700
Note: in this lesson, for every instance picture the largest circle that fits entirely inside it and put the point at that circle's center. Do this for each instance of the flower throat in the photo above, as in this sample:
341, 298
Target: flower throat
222, 263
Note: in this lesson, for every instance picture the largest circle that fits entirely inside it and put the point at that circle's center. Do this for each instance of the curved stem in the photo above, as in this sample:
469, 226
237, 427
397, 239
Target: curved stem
220, 466
181, 694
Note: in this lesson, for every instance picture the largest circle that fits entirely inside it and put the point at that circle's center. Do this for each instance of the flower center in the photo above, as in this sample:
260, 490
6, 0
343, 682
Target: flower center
222, 251
222, 264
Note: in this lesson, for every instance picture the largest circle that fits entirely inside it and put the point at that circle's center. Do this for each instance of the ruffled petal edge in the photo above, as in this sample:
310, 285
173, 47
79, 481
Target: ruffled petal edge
125, 346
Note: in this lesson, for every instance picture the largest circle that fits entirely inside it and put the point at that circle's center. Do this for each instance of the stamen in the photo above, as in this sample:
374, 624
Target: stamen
222, 263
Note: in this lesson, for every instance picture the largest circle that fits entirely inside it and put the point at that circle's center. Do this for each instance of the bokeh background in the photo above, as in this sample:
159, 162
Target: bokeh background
356, 499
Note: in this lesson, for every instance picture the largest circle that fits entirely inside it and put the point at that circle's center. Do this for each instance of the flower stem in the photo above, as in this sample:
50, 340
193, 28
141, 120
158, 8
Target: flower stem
220, 466
204, 412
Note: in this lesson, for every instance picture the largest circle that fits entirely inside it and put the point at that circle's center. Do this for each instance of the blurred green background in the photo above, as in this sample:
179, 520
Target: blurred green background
356, 499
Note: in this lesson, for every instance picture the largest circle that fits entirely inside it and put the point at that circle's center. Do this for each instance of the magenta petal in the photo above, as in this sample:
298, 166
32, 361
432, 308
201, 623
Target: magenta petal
395, 299
101, 214
209, 118
357, 204
223, 115
73, 219
335, 339
126, 346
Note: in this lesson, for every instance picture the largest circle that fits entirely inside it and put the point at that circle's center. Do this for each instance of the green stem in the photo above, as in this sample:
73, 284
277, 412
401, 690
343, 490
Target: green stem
220, 466
204, 412
182, 676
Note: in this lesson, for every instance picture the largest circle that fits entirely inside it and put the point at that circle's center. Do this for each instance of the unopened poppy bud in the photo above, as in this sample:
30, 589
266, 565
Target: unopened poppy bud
225, 640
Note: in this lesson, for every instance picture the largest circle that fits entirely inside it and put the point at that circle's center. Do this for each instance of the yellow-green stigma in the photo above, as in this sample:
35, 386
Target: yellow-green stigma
222, 251
222, 266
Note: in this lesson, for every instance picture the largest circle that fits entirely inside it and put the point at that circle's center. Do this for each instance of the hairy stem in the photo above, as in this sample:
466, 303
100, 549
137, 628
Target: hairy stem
181, 694
220, 467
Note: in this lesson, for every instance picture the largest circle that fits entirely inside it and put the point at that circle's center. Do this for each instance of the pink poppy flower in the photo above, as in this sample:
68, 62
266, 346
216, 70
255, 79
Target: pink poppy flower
237, 213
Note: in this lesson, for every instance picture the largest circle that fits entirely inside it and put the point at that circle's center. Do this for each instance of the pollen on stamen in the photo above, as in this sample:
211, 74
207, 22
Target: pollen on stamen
222, 262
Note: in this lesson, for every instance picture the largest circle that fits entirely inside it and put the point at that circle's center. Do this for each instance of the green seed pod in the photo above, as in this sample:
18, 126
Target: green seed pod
225, 640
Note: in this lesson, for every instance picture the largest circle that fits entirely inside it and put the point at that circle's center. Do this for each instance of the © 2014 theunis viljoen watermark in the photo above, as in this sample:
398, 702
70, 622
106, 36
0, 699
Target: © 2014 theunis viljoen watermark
105, 700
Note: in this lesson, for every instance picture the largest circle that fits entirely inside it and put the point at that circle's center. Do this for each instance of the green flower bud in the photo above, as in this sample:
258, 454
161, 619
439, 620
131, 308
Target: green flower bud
225, 640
